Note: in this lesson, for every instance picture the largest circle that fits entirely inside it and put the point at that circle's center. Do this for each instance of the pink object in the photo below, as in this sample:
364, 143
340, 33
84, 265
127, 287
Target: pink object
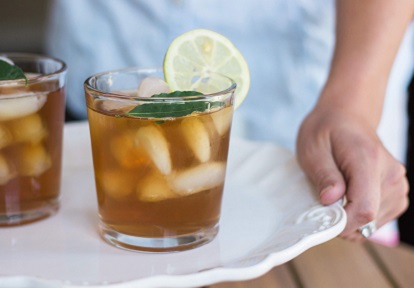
388, 235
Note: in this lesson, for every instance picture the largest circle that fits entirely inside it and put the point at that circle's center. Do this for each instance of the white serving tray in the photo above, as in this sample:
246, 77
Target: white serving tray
269, 216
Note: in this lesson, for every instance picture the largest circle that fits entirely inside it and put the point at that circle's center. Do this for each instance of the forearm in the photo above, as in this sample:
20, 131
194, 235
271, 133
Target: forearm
369, 33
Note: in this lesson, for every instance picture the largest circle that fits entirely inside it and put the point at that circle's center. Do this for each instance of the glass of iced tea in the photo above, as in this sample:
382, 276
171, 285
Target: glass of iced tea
159, 157
31, 127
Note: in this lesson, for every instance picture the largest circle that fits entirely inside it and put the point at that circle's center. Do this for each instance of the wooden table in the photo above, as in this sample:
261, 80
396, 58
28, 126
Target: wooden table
339, 263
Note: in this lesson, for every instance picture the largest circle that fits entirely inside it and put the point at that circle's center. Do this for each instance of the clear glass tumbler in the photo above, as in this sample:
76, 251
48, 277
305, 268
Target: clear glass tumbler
159, 162
31, 128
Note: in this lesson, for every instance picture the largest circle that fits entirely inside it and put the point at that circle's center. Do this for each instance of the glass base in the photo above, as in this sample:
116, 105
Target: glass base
29, 216
167, 244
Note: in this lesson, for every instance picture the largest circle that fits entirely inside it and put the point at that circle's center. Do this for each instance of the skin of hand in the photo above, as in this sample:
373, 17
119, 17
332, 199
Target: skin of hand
337, 145
343, 155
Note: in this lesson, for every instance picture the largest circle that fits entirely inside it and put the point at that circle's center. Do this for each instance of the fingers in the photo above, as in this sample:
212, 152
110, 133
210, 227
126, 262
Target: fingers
342, 154
355, 237
378, 194
362, 169
322, 170
394, 200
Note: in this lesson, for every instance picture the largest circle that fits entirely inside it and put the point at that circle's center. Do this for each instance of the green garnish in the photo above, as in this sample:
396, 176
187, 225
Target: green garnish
177, 109
177, 94
11, 72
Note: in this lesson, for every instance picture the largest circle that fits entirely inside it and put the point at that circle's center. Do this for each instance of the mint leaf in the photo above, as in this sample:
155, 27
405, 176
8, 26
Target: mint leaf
177, 94
162, 110
177, 109
11, 72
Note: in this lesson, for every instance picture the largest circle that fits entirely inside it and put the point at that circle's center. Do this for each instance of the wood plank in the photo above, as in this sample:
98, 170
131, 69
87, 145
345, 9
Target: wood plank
399, 262
278, 277
339, 263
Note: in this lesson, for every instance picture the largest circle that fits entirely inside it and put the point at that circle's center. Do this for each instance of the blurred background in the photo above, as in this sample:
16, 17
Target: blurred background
23, 25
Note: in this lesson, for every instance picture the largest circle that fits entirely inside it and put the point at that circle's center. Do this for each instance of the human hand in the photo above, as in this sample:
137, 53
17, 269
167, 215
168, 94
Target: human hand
342, 155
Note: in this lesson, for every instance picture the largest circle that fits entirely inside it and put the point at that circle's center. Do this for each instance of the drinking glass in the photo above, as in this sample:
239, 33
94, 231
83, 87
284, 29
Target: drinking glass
159, 162
31, 127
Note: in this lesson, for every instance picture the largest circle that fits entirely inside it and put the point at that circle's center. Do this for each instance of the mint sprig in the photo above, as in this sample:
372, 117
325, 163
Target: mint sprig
11, 72
176, 109
177, 94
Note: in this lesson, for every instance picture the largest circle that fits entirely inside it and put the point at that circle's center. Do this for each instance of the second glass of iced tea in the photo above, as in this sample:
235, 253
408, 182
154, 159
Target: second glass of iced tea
31, 129
159, 162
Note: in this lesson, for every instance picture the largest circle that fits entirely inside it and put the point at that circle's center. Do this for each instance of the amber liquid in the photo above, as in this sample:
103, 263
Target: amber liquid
137, 195
30, 154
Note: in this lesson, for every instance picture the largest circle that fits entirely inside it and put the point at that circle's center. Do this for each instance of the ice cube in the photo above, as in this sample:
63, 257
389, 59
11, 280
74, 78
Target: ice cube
5, 136
6, 172
116, 183
21, 105
30, 75
156, 146
154, 188
130, 93
199, 178
222, 120
151, 86
28, 129
115, 106
33, 160
126, 152
197, 138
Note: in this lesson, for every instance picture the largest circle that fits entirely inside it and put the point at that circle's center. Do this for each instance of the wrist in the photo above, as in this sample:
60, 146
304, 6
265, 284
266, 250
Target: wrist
355, 99
350, 103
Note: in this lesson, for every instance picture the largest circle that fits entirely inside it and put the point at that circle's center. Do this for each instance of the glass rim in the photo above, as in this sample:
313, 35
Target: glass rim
89, 87
31, 56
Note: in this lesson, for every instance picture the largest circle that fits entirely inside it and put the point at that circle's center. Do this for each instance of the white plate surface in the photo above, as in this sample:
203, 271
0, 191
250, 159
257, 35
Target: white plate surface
269, 216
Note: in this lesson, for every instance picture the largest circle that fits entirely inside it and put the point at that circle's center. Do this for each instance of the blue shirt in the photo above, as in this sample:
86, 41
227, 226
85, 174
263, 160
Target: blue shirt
287, 44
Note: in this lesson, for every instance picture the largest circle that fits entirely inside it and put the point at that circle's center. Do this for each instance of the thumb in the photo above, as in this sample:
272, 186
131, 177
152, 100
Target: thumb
324, 173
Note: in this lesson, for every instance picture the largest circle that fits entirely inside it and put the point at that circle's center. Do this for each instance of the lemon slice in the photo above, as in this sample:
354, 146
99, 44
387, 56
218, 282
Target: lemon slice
195, 54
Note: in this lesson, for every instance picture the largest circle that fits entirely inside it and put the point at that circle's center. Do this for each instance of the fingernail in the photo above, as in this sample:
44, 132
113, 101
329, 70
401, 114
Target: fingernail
324, 191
